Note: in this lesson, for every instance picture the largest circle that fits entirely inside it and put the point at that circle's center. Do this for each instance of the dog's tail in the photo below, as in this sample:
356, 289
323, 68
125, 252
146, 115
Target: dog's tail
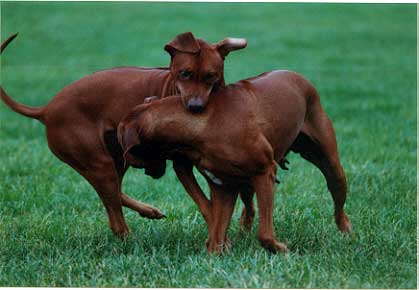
32, 112
7, 41
36, 113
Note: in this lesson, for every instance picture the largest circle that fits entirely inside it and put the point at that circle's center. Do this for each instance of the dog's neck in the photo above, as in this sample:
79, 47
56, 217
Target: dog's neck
168, 120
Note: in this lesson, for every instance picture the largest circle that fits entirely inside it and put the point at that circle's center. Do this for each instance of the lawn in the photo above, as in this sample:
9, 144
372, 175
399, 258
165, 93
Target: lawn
361, 58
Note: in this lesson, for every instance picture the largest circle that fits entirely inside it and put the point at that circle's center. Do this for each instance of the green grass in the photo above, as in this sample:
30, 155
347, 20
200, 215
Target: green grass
361, 58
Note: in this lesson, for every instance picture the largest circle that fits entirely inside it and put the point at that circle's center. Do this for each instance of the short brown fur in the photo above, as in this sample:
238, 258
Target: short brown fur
246, 129
81, 121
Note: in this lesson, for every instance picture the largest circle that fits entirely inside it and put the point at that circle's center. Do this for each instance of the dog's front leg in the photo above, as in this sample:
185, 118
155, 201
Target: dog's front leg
184, 172
264, 186
223, 202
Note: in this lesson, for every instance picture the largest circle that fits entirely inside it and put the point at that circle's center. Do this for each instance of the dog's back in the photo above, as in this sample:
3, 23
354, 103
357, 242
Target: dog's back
276, 103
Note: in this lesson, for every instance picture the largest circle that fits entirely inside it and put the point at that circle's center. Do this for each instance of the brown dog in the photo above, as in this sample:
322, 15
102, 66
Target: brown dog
82, 119
237, 140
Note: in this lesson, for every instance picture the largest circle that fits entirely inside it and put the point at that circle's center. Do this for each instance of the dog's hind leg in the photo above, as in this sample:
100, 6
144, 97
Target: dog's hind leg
88, 157
107, 185
317, 144
145, 210
100, 173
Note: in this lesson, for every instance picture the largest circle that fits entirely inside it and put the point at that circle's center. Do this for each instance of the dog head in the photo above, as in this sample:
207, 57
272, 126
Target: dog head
198, 67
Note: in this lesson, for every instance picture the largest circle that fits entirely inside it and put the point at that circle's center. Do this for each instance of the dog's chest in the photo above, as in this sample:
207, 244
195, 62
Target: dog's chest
224, 169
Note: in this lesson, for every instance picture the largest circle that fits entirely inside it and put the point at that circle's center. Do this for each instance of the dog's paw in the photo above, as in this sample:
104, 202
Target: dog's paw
218, 248
343, 223
121, 232
280, 247
152, 213
274, 246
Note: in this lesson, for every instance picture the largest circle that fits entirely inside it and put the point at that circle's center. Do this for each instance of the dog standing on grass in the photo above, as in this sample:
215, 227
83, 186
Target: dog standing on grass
236, 143
81, 120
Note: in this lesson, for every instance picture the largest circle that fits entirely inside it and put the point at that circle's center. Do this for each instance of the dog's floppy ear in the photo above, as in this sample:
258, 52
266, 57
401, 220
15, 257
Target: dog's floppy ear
184, 42
230, 44
128, 137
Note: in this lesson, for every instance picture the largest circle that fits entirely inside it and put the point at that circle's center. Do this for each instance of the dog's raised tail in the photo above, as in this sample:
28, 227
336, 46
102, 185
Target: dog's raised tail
36, 113
7, 41
32, 112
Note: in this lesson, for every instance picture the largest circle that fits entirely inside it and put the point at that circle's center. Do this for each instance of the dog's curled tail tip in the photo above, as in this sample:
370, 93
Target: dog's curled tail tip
7, 41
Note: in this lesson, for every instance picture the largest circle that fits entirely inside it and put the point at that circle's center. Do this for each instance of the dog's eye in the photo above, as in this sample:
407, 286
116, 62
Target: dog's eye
209, 78
185, 74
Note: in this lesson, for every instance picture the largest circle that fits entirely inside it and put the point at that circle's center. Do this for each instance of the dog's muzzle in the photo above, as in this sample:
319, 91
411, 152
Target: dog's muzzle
195, 105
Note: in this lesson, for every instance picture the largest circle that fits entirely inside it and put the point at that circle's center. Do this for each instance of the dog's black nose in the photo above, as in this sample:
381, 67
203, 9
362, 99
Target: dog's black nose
195, 109
195, 105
